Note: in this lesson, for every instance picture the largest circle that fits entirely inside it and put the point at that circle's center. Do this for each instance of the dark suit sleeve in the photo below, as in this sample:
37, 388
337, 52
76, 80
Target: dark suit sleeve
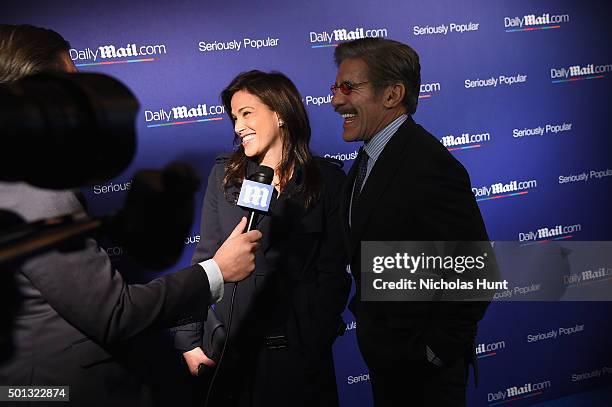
84, 288
189, 336
454, 333
454, 215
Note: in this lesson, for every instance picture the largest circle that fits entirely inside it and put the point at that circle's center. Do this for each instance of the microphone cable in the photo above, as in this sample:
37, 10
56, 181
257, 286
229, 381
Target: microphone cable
229, 329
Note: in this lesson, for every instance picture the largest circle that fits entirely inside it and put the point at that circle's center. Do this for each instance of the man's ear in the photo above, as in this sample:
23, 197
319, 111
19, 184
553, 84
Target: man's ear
394, 95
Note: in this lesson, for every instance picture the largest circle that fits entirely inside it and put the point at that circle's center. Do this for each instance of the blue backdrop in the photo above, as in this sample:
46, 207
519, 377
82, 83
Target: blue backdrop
517, 90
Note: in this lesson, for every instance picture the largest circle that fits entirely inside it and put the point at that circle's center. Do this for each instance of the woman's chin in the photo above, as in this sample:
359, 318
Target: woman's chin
248, 151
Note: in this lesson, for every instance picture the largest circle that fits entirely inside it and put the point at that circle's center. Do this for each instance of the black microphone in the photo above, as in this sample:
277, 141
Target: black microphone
256, 194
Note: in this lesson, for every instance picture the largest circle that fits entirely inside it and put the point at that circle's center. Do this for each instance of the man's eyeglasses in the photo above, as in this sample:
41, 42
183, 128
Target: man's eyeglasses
346, 87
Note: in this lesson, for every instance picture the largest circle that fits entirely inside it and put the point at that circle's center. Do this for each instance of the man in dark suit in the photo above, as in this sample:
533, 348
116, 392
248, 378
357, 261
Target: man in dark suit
404, 186
78, 323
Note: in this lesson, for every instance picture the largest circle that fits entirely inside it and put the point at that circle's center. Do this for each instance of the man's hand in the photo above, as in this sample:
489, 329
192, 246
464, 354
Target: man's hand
194, 358
236, 256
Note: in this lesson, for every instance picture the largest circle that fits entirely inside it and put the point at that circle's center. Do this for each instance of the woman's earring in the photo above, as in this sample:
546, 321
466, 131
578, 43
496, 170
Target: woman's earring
281, 123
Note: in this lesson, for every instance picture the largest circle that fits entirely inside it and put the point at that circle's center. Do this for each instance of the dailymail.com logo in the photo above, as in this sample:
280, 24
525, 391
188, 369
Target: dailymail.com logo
112, 54
255, 195
532, 22
579, 72
183, 114
323, 39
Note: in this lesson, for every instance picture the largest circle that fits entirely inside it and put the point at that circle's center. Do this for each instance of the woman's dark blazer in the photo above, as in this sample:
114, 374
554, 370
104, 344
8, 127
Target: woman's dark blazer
298, 290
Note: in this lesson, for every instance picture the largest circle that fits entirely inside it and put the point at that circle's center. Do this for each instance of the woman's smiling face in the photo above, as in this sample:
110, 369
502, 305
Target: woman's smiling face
258, 128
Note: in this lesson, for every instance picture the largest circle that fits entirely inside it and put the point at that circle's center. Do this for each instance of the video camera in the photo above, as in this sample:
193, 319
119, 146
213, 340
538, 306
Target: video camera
63, 131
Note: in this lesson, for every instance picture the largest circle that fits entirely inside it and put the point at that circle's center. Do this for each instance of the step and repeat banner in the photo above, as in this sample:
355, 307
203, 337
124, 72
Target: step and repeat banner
518, 91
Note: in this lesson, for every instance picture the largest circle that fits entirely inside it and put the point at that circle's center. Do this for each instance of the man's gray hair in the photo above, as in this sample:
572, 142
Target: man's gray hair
389, 62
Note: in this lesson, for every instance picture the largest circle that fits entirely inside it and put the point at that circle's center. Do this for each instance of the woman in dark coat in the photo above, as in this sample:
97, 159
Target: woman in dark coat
286, 315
